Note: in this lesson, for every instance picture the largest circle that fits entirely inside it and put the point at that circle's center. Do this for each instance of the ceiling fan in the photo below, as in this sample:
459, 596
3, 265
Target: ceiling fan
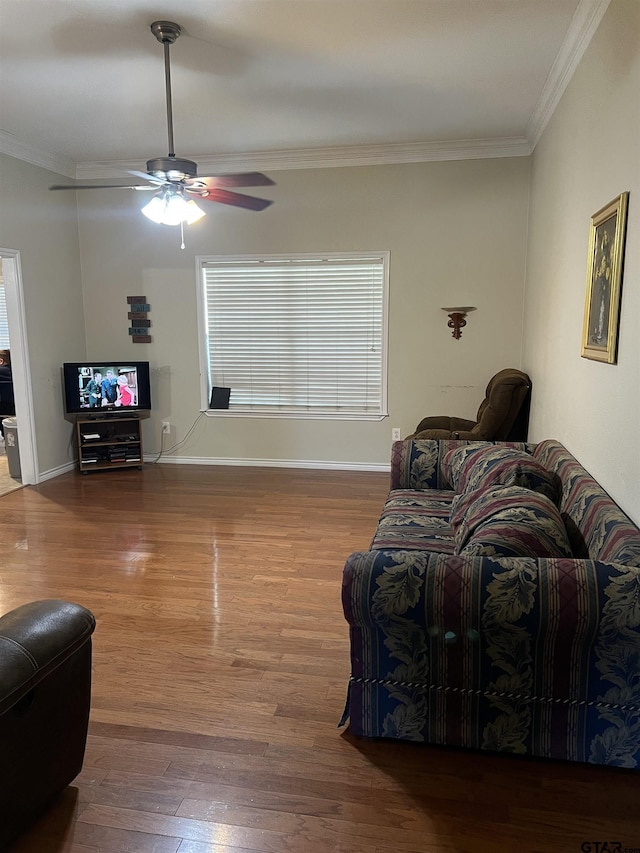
176, 180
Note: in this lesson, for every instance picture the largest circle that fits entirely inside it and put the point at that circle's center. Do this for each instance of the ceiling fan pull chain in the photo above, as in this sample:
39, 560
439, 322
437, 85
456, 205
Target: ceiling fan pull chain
182, 234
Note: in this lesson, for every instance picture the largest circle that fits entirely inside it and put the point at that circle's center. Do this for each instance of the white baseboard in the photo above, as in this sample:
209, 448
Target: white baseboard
56, 472
247, 463
269, 463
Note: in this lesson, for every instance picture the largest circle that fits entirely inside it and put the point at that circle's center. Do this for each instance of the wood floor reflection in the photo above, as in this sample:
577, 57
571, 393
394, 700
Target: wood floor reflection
221, 659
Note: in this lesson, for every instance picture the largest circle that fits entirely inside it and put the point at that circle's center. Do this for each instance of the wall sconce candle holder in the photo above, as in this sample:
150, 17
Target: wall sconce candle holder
457, 319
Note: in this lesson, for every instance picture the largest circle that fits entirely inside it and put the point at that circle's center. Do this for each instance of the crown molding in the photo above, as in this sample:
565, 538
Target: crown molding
585, 22
14, 147
328, 158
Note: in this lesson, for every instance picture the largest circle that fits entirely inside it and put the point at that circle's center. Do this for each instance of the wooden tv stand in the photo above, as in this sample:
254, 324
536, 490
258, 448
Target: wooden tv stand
108, 443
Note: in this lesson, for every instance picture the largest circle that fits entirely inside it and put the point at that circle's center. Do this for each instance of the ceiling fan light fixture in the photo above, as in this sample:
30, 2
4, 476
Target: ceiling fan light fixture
191, 212
154, 210
172, 209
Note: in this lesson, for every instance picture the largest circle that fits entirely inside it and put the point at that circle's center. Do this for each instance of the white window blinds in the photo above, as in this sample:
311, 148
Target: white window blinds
298, 335
4, 322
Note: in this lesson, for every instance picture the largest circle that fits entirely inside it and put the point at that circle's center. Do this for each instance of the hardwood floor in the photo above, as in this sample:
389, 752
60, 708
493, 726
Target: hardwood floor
221, 660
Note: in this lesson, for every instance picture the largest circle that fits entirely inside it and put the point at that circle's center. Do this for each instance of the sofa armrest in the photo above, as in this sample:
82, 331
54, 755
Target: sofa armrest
45, 696
35, 639
441, 422
444, 434
501, 650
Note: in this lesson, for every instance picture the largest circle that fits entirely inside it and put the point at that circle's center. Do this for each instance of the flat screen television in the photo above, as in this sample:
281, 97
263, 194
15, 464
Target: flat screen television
106, 387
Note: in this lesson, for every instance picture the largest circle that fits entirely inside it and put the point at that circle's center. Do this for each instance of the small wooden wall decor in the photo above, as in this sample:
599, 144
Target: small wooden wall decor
140, 324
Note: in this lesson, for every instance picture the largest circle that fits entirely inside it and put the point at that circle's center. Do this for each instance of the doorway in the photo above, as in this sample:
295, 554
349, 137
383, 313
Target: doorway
20, 368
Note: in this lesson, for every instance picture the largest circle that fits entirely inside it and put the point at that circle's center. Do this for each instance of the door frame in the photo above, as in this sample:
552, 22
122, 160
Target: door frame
20, 366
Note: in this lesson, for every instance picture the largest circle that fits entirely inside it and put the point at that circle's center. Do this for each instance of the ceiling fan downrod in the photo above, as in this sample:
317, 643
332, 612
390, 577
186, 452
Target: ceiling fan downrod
167, 32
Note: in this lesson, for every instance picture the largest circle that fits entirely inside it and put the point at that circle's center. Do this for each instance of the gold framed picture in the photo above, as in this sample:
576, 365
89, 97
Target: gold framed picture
604, 281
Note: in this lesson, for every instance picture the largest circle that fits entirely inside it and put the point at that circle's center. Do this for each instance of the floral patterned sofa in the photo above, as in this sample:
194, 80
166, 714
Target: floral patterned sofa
498, 607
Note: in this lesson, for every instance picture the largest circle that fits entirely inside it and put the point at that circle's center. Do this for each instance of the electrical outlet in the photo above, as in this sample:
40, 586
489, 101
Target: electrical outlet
166, 427
395, 434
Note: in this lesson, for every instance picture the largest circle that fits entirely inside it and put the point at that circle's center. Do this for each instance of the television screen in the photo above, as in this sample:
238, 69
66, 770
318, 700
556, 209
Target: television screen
107, 386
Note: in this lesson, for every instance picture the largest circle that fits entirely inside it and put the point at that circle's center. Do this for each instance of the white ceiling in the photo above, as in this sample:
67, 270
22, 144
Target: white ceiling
283, 83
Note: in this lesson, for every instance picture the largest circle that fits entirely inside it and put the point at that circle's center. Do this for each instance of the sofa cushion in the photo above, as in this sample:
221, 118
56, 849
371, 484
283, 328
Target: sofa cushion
508, 521
413, 519
478, 466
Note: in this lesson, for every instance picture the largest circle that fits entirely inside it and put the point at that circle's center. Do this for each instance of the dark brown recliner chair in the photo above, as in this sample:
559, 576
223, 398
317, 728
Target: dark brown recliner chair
45, 691
503, 414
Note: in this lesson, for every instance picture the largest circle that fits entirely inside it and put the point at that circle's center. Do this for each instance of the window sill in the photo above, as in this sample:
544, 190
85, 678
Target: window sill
293, 415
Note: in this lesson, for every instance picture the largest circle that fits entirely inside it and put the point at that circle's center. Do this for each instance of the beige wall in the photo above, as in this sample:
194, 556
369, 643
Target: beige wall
43, 226
589, 154
456, 233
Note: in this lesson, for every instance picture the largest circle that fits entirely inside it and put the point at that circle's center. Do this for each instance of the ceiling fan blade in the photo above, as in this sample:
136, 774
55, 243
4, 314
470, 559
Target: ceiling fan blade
236, 199
152, 178
101, 187
243, 179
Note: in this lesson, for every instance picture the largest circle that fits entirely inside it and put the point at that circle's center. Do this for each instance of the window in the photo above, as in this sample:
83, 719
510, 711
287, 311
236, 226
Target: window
296, 335
4, 323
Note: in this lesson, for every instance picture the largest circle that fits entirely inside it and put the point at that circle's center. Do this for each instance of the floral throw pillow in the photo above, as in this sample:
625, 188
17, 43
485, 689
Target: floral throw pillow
474, 467
508, 521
